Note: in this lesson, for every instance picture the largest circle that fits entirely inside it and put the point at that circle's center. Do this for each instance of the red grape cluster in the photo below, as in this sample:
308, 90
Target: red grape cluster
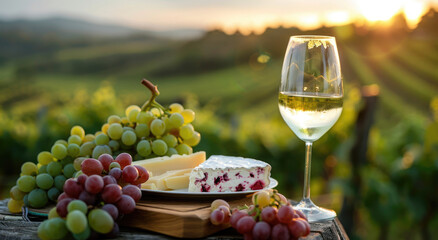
98, 191
275, 220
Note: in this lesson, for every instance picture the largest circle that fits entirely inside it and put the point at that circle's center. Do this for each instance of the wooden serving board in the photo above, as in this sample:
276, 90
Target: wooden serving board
188, 218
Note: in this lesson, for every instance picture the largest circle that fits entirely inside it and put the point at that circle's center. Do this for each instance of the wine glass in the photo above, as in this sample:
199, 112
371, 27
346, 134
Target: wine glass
310, 100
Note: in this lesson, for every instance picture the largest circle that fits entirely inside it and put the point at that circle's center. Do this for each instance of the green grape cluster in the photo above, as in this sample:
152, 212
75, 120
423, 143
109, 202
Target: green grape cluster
144, 132
42, 183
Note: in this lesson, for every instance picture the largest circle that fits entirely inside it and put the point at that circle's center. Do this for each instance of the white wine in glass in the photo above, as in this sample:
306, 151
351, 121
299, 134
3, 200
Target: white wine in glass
310, 101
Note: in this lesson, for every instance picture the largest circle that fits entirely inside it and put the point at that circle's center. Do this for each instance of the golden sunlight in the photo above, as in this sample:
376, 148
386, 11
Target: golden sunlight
337, 17
413, 10
379, 10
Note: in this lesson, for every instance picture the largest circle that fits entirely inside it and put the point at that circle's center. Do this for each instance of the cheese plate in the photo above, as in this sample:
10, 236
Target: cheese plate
184, 193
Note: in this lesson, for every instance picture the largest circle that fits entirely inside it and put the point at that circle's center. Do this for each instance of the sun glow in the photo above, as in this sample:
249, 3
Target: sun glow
379, 10
384, 10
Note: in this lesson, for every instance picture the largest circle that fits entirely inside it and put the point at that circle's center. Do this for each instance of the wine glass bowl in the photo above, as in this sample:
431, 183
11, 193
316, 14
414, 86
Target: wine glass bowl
310, 100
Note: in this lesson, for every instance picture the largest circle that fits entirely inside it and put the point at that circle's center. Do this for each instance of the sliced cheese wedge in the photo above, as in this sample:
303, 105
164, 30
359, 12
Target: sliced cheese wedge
159, 181
160, 165
150, 186
177, 182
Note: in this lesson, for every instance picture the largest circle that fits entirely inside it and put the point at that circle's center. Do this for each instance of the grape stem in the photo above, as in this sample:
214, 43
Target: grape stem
154, 94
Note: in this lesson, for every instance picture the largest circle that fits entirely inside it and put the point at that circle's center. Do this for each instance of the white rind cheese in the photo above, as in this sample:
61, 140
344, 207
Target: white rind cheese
229, 174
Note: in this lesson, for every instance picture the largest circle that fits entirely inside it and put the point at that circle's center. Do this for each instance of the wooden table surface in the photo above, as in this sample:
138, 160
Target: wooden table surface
13, 227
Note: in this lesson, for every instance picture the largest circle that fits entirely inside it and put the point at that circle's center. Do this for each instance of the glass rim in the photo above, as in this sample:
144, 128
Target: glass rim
313, 37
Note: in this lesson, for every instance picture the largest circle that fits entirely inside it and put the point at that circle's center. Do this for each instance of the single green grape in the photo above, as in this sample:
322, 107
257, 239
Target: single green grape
176, 120
115, 131
77, 205
45, 157
59, 151
101, 139
114, 165
44, 181
78, 130
73, 149
62, 142
78, 173
69, 170
59, 182
129, 138
42, 169
53, 194
114, 145
114, 119
16, 194
38, 198
144, 148
171, 151
89, 138
132, 117
42, 230
184, 149
157, 127
142, 130
176, 108
130, 108
194, 140
26, 183
29, 168
145, 117
101, 149
189, 115
159, 147
76, 221
56, 229
78, 162
54, 169
186, 131
100, 221
75, 139
53, 213
170, 140
87, 149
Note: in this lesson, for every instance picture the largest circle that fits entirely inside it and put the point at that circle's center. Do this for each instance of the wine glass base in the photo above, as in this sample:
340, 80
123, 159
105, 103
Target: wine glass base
313, 212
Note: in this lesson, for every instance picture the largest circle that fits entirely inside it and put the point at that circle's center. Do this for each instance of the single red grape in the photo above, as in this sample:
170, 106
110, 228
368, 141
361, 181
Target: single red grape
116, 173
126, 204
245, 224
94, 184
112, 210
91, 166
261, 231
280, 232
72, 188
111, 193
132, 191
61, 207
108, 179
217, 217
285, 214
124, 159
236, 216
82, 178
130, 174
269, 214
106, 160
297, 228
143, 175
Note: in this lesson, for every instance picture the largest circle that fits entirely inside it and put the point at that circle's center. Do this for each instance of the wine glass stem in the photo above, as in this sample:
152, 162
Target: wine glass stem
306, 192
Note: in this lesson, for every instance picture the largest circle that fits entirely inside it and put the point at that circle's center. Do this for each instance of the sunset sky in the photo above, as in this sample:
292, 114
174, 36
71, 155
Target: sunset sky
246, 15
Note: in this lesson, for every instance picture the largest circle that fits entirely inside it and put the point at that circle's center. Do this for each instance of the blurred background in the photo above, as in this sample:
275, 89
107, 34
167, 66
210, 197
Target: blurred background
76, 63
